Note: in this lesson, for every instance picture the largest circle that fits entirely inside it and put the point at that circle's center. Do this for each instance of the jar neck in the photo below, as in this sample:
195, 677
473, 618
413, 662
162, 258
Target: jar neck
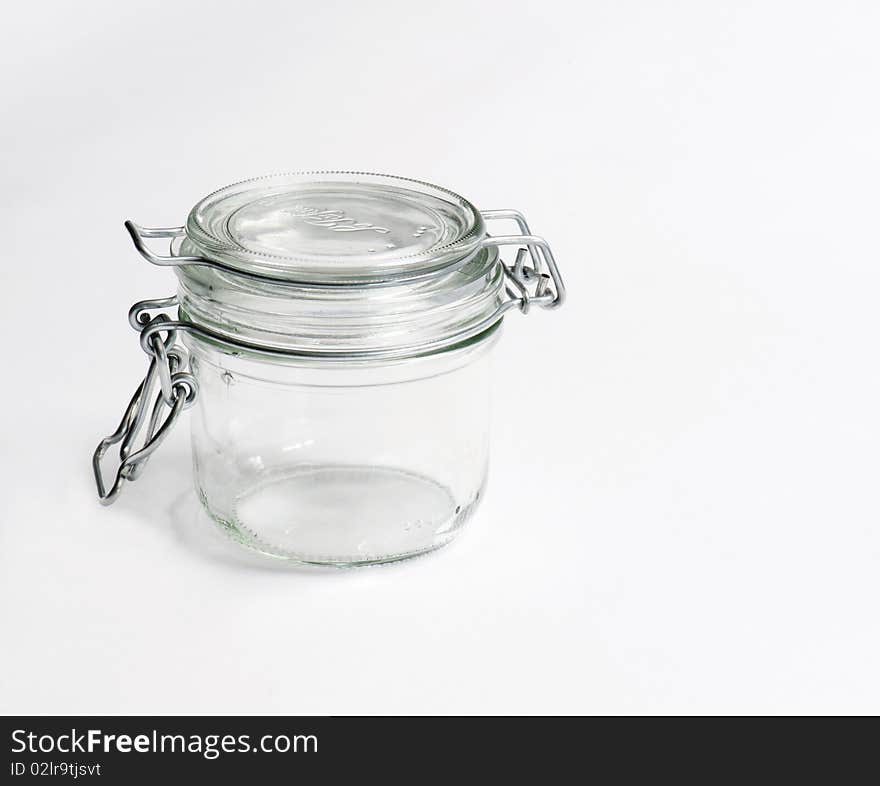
323, 372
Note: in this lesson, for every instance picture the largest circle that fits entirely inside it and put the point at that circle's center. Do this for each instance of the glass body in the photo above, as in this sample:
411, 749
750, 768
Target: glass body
342, 463
319, 454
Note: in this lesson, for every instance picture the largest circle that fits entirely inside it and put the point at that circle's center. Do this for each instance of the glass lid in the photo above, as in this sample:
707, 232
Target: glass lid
335, 227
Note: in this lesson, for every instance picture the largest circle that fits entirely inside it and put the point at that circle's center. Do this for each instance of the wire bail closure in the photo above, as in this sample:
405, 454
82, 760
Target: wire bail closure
532, 280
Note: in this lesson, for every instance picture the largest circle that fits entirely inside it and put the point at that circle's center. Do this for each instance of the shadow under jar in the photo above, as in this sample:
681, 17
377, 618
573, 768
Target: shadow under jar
339, 328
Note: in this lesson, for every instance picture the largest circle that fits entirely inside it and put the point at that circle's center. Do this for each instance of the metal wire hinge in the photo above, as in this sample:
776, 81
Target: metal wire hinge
527, 284
177, 392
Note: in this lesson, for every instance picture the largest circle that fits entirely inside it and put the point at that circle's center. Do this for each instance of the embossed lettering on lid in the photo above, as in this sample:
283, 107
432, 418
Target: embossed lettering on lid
335, 227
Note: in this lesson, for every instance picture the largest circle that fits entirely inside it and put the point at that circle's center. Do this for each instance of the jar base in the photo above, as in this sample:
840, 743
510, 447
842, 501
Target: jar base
344, 515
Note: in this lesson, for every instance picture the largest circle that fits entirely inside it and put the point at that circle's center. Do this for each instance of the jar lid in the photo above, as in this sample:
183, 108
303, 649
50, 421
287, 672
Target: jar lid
345, 265
335, 227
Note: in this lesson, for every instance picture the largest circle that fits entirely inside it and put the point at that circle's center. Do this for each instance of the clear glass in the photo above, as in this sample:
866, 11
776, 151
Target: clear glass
364, 437
342, 463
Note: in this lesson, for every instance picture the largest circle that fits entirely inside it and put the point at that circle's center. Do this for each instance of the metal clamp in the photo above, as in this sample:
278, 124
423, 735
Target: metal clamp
524, 285
527, 284
178, 389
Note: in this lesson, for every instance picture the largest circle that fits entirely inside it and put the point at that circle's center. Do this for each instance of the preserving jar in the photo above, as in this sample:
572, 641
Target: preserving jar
335, 332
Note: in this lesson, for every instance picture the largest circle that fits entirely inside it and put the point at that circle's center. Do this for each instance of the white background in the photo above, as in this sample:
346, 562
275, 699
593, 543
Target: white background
683, 508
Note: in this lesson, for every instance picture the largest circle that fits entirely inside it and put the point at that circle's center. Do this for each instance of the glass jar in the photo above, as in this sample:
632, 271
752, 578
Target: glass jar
337, 329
